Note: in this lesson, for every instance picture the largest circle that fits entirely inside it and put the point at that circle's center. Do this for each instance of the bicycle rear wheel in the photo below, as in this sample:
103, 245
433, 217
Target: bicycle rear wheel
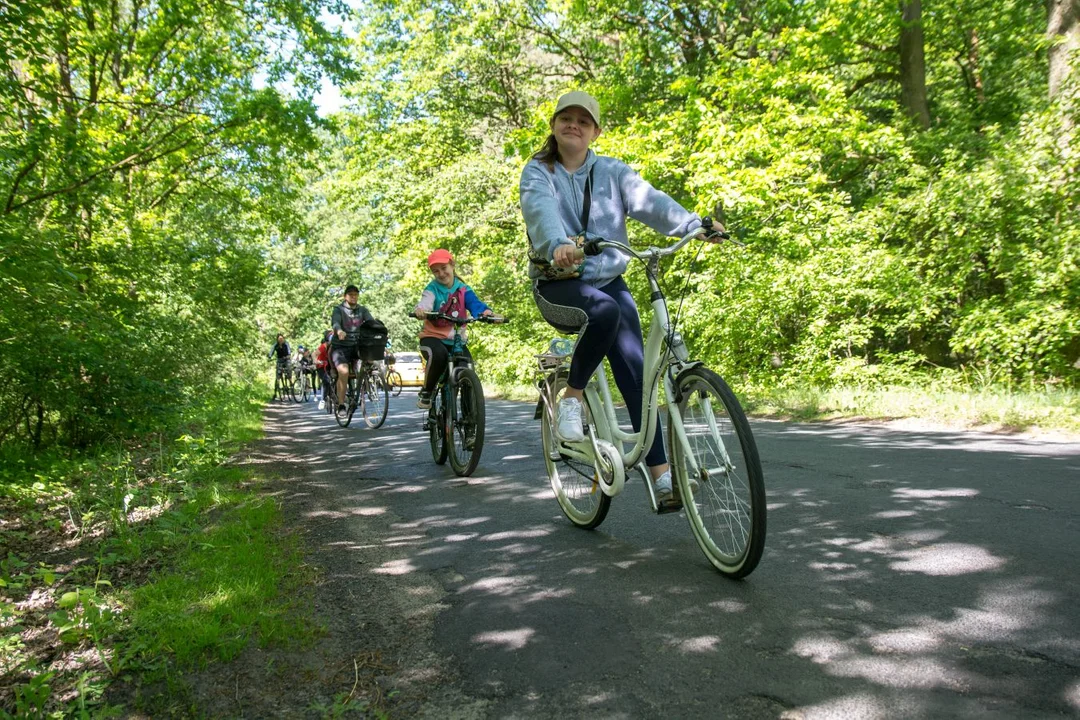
573, 474
394, 382
375, 399
727, 512
465, 422
436, 425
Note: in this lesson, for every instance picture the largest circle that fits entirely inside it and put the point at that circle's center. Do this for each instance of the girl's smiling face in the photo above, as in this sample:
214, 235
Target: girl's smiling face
444, 273
574, 129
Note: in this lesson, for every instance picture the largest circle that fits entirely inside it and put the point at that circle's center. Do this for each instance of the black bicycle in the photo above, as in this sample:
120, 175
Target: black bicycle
366, 390
284, 385
455, 420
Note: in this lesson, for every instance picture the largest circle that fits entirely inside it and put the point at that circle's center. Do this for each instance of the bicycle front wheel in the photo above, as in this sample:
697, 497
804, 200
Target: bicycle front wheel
436, 425
716, 449
375, 399
574, 475
344, 415
304, 388
465, 422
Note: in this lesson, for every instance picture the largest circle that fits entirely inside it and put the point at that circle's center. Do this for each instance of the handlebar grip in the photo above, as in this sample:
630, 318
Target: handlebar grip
707, 222
592, 247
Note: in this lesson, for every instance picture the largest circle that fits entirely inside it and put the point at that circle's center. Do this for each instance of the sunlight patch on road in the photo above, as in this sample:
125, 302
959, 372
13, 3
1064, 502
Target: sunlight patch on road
920, 494
403, 566
506, 639
863, 706
1072, 695
703, 644
947, 559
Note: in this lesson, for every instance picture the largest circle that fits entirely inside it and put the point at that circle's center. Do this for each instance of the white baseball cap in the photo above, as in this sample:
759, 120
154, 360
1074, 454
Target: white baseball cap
580, 99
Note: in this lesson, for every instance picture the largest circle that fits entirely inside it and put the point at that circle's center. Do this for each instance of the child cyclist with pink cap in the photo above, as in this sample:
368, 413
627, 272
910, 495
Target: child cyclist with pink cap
449, 295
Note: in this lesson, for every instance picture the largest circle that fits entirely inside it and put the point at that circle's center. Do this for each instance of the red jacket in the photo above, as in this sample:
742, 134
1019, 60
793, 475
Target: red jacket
321, 358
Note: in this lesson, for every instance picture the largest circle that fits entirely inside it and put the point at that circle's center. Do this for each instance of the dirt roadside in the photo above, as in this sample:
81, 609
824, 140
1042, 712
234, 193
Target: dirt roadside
374, 656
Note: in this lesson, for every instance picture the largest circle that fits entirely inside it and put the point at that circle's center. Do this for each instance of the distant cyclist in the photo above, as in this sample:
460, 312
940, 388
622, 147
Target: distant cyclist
322, 364
282, 350
306, 363
346, 321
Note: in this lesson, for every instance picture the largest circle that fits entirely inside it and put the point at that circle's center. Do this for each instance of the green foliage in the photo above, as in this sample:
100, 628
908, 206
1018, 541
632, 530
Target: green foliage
170, 560
145, 175
877, 253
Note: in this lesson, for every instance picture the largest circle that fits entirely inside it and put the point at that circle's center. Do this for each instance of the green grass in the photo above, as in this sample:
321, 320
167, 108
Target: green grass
235, 581
175, 562
992, 408
989, 408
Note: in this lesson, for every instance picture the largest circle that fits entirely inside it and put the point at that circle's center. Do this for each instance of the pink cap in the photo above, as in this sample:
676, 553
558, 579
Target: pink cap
438, 257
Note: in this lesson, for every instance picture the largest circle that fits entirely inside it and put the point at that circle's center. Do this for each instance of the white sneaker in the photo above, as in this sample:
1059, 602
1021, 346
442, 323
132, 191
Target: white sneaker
569, 426
322, 405
662, 486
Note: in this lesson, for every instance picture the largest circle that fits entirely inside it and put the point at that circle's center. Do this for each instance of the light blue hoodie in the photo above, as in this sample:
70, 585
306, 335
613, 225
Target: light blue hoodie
552, 203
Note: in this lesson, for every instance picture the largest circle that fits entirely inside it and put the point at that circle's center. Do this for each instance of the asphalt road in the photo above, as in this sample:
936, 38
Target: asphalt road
906, 574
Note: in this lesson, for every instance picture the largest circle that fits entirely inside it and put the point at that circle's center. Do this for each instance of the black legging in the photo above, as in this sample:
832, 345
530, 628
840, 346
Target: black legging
438, 355
613, 329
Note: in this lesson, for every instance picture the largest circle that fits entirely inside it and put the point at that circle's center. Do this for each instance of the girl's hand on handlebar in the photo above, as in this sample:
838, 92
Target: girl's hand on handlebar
567, 256
419, 314
715, 233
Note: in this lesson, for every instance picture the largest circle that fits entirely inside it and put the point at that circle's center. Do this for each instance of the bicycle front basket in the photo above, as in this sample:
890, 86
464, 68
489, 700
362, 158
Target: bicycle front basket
371, 341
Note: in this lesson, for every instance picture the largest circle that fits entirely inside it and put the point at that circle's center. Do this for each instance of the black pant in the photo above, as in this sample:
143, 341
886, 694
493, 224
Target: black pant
438, 356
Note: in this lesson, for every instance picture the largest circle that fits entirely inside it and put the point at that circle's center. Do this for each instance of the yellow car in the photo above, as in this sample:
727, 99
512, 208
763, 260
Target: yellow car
410, 365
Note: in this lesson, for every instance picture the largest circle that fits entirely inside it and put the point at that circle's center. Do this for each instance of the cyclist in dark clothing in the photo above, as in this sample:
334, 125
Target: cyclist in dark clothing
281, 347
346, 321
283, 351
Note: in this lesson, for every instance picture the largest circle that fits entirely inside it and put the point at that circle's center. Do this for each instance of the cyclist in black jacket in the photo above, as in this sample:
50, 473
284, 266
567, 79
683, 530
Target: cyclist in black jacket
346, 321
282, 350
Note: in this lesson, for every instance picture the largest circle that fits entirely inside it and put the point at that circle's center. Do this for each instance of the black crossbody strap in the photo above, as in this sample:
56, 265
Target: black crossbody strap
587, 202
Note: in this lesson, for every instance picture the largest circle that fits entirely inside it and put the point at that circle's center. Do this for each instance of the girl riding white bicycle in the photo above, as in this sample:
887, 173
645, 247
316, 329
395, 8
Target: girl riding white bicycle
570, 194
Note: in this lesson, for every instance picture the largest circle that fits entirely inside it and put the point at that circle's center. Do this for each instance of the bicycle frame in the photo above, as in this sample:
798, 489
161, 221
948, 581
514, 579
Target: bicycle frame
669, 361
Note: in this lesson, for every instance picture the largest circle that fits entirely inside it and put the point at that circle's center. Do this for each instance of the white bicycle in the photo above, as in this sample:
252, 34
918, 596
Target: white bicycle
714, 460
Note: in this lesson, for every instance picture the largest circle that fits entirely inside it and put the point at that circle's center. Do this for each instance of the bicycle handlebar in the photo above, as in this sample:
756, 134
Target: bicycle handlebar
492, 319
596, 246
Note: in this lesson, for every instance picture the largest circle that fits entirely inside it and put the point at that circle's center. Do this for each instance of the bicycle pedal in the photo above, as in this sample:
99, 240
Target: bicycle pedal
669, 506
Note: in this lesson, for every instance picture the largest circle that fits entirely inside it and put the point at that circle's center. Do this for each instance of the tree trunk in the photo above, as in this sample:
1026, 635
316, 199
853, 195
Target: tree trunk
1063, 30
913, 64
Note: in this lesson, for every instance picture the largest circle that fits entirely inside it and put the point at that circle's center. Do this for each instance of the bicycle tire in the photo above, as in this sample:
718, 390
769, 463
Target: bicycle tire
437, 427
573, 480
290, 387
277, 386
375, 399
304, 390
344, 416
727, 513
465, 414
394, 382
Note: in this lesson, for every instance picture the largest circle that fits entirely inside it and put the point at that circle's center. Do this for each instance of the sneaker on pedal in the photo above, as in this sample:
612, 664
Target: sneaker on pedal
341, 409
662, 486
423, 400
569, 426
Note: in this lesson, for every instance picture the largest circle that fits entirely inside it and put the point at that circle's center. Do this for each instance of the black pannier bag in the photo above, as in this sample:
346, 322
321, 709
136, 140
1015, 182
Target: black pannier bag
371, 341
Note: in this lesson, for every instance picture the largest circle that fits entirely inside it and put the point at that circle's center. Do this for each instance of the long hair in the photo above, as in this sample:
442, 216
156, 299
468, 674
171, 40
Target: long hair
549, 153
